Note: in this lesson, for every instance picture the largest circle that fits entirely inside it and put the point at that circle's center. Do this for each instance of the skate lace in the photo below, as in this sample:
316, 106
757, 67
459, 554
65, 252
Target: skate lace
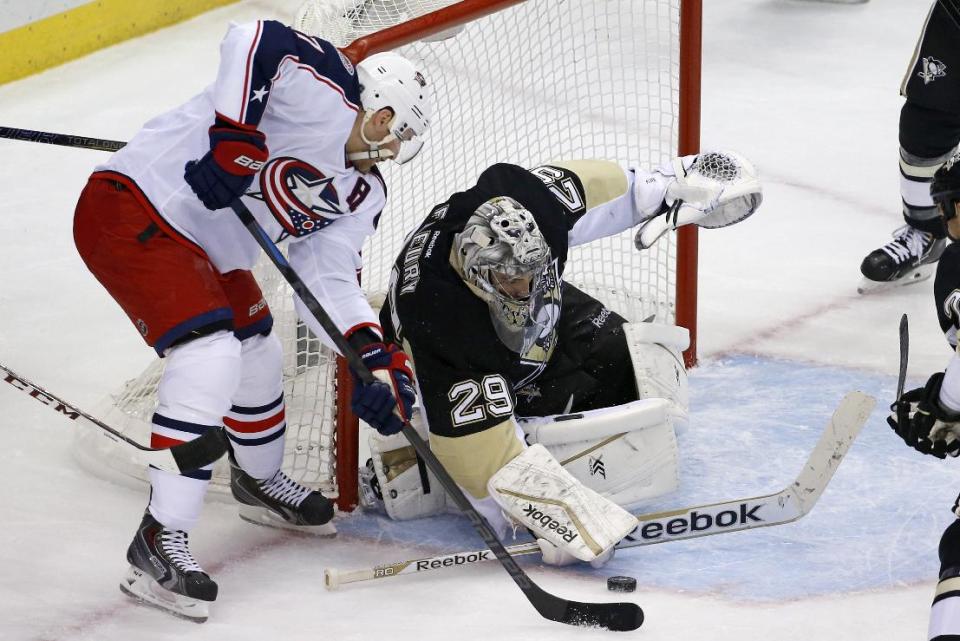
174, 546
908, 243
284, 489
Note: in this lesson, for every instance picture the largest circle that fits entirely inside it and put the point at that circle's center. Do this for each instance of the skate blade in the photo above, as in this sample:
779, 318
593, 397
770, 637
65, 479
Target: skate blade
918, 274
263, 516
145, 590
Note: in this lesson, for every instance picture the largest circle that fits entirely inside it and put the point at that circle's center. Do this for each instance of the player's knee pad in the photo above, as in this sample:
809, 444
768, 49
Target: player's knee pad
256, 421
656, 351
627, 453
398, 478
261, 379
200, 378
916, 174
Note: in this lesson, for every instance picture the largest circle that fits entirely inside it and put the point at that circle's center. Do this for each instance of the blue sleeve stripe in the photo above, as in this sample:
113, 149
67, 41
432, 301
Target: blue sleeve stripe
248, 78
275, 44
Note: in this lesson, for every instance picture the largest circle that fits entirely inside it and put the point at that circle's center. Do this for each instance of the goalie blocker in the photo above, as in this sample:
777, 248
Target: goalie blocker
627, 453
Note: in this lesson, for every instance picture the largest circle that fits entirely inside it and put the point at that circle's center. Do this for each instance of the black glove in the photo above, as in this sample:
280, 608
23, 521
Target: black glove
923, 424
386, 403
226, 171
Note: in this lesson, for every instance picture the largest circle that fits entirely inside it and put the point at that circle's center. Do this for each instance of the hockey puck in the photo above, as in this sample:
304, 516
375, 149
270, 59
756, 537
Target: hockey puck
621, 584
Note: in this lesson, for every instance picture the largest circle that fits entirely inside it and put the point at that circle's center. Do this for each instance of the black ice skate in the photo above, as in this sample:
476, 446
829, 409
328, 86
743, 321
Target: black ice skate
909, 258
164, 574
281, 502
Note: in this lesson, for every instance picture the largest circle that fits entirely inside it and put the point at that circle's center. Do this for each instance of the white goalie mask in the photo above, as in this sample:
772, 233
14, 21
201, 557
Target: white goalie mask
388, 80
507, 262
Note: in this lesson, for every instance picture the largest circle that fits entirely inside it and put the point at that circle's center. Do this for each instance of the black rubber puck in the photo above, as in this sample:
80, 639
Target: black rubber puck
621, 584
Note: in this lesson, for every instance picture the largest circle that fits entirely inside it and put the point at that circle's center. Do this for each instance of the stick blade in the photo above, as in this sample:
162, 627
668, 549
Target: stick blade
904, 354
619, 617
201, 451
845, 424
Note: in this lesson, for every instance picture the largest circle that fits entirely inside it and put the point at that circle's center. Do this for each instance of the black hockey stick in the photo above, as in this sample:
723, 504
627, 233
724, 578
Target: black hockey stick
185, 457
622, 616
904, 349
67, 140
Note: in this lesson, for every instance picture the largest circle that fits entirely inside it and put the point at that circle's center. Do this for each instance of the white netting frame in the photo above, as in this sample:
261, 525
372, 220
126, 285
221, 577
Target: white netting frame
634, 120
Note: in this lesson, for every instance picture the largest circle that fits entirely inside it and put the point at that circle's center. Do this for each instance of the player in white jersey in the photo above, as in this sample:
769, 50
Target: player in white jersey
294, 128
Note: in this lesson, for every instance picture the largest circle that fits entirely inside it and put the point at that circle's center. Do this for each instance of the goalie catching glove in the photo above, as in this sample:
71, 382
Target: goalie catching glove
713, 189
923, 424
386, 403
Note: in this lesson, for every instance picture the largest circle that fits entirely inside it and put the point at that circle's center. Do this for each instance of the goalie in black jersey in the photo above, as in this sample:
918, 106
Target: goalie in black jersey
928, 418
518, 369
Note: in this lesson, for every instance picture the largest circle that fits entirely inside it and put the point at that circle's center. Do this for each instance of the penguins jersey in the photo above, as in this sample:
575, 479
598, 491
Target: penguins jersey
303, 95
467, 377
946, 290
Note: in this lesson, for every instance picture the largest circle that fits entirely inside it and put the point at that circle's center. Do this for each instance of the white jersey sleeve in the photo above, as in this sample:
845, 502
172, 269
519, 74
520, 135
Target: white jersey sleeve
328, 263
615, 199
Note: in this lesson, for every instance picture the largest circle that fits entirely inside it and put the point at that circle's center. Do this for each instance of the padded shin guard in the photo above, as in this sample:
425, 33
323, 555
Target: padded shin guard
539, 494
194, 392
916, 174
256, 422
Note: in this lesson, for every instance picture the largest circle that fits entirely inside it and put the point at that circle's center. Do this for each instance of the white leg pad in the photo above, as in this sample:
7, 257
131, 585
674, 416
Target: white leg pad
627, 453
540, 495
656, 351
401, 476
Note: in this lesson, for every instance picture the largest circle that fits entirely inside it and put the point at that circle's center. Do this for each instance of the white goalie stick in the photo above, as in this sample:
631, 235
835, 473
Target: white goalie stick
789, 504
185, 457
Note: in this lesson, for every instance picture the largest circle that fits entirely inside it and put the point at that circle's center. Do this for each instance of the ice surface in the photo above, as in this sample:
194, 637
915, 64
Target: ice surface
809, 92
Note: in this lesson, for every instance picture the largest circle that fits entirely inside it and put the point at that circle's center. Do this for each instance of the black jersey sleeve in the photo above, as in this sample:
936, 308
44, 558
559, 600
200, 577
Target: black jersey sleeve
946, 289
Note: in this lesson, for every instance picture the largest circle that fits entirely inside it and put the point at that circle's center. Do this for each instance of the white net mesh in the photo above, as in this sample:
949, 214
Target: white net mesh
543, 80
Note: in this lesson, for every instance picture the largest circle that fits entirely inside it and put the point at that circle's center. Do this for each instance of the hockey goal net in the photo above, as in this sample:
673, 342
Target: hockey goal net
522, 81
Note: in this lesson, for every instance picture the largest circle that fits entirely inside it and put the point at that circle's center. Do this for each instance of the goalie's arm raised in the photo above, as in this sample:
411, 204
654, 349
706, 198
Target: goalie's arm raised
601, 198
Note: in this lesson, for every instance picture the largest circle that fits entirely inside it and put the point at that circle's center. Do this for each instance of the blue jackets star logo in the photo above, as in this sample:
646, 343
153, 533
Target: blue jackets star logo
300, 196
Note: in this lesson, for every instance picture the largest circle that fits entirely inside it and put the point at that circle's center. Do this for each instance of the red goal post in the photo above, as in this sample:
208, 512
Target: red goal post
521, 81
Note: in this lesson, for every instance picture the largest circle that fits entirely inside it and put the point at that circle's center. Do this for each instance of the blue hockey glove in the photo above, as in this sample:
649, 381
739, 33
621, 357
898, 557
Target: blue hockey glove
388, 402
226, 171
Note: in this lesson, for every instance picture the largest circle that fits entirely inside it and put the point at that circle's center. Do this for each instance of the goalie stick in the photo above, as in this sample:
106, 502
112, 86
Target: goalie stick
612, 616
185, 457
789, 504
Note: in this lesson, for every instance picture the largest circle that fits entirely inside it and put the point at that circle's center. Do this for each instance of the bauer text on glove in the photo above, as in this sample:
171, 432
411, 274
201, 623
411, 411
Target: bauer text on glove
386, 403
226, 171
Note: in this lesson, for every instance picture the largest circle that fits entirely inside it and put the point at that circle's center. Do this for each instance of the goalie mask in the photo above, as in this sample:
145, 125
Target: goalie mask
506, 261
945, 191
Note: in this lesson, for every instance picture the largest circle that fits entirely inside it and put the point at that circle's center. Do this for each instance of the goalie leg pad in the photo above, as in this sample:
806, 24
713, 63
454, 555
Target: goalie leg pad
656, 351
408, 489
627, 453
540, 495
